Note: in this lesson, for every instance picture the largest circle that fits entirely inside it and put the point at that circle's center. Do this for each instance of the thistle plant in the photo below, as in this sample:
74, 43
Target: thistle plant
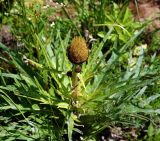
40, 102
77, 53
99, 96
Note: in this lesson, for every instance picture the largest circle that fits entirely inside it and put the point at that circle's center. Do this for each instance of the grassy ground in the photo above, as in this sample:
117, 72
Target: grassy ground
102, 85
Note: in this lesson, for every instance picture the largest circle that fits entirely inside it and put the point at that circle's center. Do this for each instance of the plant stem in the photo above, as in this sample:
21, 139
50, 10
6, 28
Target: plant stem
75, 85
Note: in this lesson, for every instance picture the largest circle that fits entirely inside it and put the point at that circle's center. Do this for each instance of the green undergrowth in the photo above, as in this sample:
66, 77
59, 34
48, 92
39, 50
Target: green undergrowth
118, 85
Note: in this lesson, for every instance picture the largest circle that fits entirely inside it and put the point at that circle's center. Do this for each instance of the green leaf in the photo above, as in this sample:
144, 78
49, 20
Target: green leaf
149, 100
63, 105
139, 63
35, 107
70, 124
150, 130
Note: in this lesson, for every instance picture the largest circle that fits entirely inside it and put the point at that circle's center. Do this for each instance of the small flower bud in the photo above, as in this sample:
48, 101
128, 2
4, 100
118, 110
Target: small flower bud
78, 69
69, 73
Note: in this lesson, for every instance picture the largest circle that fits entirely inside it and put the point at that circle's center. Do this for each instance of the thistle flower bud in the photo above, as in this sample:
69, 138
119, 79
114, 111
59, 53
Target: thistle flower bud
78, 69
78, 51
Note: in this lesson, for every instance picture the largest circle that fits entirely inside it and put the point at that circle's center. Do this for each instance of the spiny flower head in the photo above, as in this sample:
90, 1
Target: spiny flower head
78, 51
